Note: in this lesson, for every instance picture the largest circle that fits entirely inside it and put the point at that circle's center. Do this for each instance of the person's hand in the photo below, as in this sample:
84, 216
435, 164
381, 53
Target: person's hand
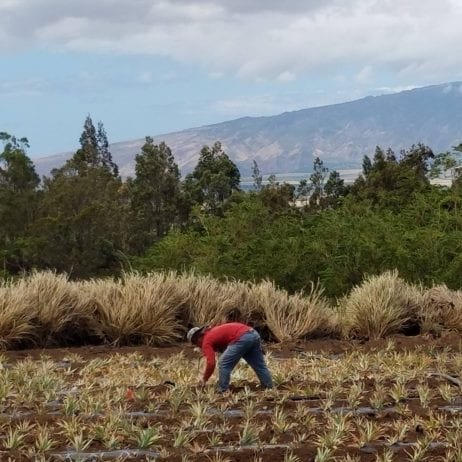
201, 383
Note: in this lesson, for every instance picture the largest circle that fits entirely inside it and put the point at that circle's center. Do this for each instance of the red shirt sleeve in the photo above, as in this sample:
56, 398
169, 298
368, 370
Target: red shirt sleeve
209, 353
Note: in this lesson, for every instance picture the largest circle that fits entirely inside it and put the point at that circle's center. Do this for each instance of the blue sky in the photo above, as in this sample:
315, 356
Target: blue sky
146, 67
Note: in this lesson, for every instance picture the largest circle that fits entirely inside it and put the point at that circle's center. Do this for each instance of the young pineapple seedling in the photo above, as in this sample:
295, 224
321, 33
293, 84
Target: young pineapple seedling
399, 430
300, 438
217, 457
329, 400
144, 438
197, 448
348, 458
291, 457
453, 455
176, 399
324, 455
378, 399
280, 421
214, 439
354, 395
419, 451
249, 410
398, 392
43, 440
446, 392
70, 428
331, 439
199, 413
182, 437
425, 394
70, 406
249, 435
386, 456
368, 431
79, 443
14, 439
454, 435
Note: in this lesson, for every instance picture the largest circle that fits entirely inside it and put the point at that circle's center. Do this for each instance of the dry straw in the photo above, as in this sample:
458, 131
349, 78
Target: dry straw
45, 309
16, 327
291, 317
380, 306
441, 309
211, 302
138, 309
61, 314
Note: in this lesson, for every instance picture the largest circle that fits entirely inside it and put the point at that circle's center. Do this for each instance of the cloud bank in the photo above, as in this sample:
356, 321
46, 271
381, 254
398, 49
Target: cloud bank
261, 39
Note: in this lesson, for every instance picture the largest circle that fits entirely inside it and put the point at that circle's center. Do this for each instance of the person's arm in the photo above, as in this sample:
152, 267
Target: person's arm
209, 353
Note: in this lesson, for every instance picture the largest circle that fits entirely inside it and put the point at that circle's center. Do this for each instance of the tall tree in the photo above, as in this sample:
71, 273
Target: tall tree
418, 160
303, 192
104, 152
335, 188
81, 226
448, 162
367, 165
19, 197
317, 181
94, 151
392, 182
213, 180
155, 193
257, 176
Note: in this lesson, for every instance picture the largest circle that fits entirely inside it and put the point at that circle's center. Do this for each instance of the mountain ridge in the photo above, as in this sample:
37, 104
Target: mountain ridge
340, 134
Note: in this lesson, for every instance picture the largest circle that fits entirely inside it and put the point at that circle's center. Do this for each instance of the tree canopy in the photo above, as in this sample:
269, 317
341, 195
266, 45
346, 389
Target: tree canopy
88, 221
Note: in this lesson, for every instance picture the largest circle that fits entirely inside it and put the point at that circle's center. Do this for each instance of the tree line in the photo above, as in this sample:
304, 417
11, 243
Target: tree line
85, 220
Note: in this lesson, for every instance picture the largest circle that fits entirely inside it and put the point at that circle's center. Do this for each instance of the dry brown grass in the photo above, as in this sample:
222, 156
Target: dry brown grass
291, 317
138, 309
61, 313
441, 309
380, 306
211, 302
16, 326
46, 309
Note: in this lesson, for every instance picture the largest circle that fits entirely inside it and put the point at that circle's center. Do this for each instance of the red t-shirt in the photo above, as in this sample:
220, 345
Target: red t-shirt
217, 339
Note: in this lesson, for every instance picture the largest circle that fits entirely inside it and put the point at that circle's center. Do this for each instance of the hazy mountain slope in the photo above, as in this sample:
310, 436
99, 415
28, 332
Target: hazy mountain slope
340, 134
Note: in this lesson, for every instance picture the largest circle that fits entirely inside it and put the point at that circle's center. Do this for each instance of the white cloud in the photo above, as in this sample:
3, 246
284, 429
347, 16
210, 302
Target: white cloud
286, 76
258, 40
394, 89
365, 75
263, 104
216, 75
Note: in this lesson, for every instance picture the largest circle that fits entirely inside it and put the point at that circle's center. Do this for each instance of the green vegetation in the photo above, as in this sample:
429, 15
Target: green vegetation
86, 221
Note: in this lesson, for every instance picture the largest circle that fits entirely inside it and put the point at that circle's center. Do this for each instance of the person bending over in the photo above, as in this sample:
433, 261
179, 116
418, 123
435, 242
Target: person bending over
235, 341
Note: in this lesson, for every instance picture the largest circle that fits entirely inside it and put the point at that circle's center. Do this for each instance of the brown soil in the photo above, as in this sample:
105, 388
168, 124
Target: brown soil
449, 340
229, 441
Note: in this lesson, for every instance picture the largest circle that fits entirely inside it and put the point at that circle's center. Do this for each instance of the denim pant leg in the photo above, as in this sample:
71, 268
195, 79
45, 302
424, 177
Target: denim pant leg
254, 357
230, 358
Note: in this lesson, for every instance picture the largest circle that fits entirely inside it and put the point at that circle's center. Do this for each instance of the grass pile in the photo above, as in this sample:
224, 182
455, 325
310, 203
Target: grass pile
16, 326
292, 317
60, 312
441, 309
210, 301
138, 309
380, 306
46, 309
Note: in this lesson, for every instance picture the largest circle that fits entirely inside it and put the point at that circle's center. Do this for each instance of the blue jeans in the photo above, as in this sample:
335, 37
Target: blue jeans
249, 348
